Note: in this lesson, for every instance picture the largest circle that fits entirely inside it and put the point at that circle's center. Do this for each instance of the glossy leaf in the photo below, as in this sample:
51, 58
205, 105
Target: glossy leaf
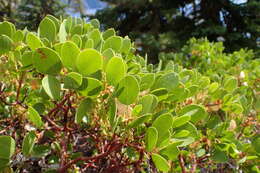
52, 87
147, 80
62, 32
151, 137
89, 61
6, 44
6, 29
69, 54
90, 87
128, 90
72, 80
160, 163
84, 108
230, 84
149, 103
115, 70
171, 151
47, 29
47, 61
34, 117
126, 45
140, 120
196, 112
28, 143
179, 121
168, 81
108, 33
114, 42
33, 41
7, 145
96, 37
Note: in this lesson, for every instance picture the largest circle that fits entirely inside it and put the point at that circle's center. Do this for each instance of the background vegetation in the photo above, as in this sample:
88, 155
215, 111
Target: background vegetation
155, 25
75, 96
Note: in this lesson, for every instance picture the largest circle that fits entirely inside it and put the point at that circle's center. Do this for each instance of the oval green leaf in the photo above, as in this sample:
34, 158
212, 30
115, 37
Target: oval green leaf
47, 61
115, 70
52, 87
89, 61
69, 53
151, 138
160, 163
128, 90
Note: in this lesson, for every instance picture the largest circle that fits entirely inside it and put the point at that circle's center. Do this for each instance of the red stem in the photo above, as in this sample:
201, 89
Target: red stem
115, 147
182, 164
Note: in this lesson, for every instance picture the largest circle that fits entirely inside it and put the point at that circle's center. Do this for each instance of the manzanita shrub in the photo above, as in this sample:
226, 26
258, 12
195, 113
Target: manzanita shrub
75, 99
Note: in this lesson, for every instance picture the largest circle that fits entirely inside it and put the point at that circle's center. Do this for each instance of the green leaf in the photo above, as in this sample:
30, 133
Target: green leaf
33, 41
140, 120
89, 44
193, 132
52, 87
181, 134
47, 61
55, 21
28, 143
6, 29
163, 130
27, 59
84, 108
34, 117
149, 103
89, 61
213, 87
196, 112
147, 81
179, 121
126, 45
137, 110
219, 156
115, 70
129, 90
112, 114
3, 164
114, 42
171, 151
185, 141
160, 93
151, 137
7, 145
90, 87
107, 55
18, 36
47, 29
95, 23
108, 33
69, 53
77, 29
6, 44
72, 80
230, 84
168, 81
160, 163
256, 144
95, 36
77, 40
62, 32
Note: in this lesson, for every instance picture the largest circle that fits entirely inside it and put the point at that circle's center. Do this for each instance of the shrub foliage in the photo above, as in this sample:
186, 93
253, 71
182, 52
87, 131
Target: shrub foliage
75, 99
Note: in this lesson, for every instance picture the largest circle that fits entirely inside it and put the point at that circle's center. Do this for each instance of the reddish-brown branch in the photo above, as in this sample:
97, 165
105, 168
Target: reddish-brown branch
194, 164
115, 147
182, 164
20, 82
55, 126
